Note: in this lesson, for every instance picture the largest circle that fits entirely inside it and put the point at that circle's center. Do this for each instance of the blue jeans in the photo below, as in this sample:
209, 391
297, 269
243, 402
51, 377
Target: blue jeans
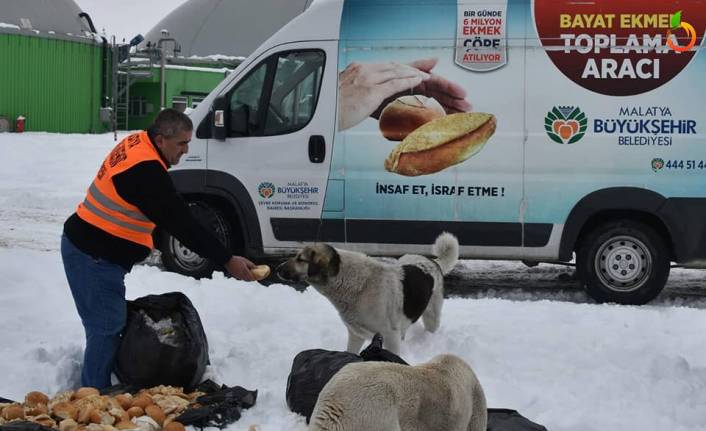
98, 289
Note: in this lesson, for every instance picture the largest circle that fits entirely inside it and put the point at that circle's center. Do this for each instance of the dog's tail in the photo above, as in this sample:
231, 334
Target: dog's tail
445, 249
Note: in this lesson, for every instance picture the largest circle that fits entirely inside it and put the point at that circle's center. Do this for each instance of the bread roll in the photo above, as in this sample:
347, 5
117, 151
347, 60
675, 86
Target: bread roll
135, 411
146, 423
101, 418
119, 414
260, 272
407, 113
85, 392
65, 410
44, 420
39, 409
174, 426
68, 425
34, 398
14, 411
441, 143
142, 400
125, 400
125, 425
84, 414
156, 413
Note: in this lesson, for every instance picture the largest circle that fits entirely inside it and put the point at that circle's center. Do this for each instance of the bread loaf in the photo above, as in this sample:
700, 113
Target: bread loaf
441, 143
407, 113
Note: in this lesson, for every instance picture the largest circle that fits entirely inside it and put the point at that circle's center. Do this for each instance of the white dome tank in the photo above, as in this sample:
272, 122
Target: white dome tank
226, 27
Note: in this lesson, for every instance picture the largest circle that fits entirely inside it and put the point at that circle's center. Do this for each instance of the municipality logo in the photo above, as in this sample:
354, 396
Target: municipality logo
657, 164
565, 124
266, 190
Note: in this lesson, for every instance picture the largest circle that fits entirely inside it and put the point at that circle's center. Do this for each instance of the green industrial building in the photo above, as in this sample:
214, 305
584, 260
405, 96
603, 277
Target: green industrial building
186, 84
53, 70
60, 76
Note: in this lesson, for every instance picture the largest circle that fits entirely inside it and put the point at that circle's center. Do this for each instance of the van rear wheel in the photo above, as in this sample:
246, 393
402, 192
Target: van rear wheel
176, 257
623, 261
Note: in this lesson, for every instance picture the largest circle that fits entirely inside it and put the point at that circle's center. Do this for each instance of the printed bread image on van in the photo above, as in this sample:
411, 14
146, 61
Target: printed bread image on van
405, 114
441, 143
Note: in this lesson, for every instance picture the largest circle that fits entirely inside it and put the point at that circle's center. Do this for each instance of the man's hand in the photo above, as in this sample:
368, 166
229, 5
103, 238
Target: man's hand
363, 87
239, 267
451, 95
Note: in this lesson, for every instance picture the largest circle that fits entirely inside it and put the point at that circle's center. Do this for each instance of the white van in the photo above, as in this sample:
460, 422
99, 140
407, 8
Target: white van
531, 130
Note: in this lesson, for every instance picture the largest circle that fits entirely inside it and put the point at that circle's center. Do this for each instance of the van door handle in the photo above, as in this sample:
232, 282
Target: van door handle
317, 149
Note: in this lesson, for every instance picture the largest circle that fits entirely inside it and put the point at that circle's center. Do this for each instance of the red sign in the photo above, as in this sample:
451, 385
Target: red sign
620, 48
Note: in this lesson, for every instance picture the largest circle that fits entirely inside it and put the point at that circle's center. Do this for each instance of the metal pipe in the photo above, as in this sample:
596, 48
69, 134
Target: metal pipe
163, 64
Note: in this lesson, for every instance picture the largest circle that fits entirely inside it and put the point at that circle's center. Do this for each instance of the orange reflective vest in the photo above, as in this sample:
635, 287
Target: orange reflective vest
104, 208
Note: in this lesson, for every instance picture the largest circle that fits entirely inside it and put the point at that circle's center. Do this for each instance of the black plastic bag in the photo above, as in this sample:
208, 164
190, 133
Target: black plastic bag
24, 426
312, 369
510, 420
375, 352
163, 343
220, 407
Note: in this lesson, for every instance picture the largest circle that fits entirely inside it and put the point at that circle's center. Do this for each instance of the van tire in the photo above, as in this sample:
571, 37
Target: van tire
623, 261
178, 258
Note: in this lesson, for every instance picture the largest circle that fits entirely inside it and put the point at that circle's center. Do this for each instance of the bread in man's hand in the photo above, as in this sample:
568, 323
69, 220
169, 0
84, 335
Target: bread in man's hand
260, 272
405, 114
441, 143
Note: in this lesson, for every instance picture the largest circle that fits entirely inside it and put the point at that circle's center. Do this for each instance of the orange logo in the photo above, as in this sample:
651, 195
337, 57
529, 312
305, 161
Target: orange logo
677, 23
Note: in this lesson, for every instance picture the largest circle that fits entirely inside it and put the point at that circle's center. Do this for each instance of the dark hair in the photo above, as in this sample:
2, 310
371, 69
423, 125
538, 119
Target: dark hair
170, 122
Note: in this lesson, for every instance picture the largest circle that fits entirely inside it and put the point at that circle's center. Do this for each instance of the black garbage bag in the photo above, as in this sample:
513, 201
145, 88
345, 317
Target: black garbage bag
220, 406
163, 343
510, 420
24, 426
375, 352
312, 369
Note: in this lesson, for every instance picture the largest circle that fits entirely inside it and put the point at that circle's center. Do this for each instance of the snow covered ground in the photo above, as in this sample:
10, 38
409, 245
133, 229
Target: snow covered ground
569, 366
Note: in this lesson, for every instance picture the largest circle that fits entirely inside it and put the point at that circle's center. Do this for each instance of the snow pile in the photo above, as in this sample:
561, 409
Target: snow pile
570, 366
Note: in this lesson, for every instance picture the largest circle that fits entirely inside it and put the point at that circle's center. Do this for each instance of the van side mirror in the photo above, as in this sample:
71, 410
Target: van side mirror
221, 116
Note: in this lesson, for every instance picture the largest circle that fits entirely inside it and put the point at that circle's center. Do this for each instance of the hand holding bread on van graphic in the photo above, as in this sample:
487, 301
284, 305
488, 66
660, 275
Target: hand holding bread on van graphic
431, 121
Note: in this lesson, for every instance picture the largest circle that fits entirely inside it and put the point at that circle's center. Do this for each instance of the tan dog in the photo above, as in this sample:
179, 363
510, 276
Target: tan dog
443, 394
373, 296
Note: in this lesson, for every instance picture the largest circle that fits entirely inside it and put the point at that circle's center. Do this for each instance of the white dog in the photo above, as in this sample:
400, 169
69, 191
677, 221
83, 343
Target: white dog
374, 296
443, 394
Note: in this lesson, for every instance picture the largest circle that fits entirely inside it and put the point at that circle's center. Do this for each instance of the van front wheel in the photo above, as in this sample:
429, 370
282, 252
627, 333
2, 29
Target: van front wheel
624, 261
176, 257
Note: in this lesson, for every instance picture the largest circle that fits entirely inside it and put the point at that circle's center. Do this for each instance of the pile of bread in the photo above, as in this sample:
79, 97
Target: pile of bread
152, 409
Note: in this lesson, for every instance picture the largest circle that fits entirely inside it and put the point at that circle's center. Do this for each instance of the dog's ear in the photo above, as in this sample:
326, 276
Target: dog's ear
316, 263
334, 262
324, 261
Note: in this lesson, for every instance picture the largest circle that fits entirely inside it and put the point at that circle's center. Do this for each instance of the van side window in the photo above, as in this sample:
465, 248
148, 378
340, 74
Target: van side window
245, 103
295, 91
287, 84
